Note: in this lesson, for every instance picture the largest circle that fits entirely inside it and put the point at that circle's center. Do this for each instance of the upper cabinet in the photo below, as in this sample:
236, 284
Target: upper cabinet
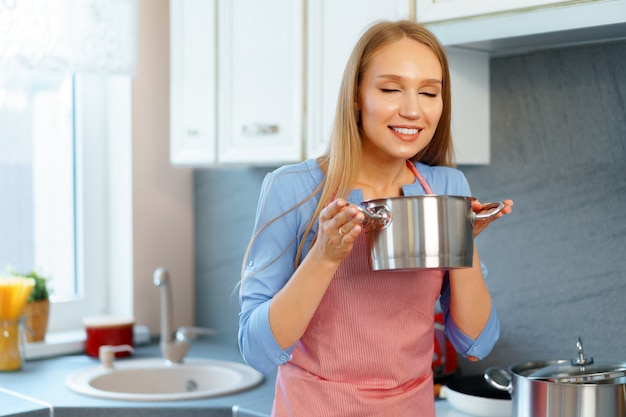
250, 105
235, 80
256, 82
470, 122
193, 91
507, 27
260, 78
428, 11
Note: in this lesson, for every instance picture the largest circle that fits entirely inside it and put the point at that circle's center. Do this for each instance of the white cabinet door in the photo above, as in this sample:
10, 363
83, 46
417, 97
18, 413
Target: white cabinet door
333, 28
469, 76
260, 74
237, 79
428, 11
192, 82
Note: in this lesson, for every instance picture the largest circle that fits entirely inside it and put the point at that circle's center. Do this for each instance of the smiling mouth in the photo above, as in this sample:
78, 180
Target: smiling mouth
405, 131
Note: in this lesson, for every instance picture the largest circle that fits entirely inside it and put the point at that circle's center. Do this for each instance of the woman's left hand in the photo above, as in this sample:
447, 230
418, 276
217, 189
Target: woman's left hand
480, 225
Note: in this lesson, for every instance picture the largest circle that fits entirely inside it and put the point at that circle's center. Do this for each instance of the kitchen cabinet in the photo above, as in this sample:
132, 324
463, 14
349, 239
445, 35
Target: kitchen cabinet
521, 26
235, 77
260, 74
470, 123
256, 83
193, 81
428, 11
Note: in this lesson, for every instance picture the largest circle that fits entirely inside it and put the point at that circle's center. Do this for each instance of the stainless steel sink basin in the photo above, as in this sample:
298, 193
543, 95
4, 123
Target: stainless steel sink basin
160, 380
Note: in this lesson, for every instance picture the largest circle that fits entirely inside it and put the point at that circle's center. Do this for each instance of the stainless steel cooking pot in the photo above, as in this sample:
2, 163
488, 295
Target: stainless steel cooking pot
563, 388
428, 231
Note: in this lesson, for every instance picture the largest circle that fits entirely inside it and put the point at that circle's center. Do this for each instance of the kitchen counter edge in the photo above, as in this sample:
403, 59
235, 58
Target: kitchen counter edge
40, 386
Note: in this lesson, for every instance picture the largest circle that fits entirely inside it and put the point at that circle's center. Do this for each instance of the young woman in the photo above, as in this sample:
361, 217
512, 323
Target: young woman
348, 341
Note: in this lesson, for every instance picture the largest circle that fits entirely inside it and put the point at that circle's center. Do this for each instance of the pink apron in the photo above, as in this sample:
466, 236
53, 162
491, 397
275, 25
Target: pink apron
369, 347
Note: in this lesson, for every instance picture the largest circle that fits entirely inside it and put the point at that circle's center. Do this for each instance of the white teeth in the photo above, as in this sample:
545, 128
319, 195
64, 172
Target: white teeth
405, 131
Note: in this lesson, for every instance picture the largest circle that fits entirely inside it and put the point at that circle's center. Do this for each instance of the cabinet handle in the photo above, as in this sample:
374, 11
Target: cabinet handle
193, 132
256, 129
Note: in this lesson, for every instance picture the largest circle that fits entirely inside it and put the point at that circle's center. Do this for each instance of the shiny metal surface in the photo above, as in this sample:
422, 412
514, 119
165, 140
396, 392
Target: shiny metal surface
536, 398
582, 370
430, 231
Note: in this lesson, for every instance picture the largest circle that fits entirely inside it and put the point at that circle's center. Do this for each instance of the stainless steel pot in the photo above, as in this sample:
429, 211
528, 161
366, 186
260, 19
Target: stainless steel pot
429, 231
536, 392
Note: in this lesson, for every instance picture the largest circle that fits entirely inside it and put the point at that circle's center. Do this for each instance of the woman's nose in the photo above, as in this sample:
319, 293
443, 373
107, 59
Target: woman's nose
410, 107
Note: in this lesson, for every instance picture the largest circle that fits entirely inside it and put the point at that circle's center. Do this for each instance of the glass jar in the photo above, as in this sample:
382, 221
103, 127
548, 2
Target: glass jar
11, 345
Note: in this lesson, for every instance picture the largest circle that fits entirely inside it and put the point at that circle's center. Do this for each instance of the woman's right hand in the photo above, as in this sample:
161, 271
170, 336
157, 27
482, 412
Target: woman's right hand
339, 226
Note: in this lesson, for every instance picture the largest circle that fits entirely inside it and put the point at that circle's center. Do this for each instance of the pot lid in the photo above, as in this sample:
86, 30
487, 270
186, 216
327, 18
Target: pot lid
581, 370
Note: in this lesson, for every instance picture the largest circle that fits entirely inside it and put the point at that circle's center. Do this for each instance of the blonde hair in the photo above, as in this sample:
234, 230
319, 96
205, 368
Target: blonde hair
341, 161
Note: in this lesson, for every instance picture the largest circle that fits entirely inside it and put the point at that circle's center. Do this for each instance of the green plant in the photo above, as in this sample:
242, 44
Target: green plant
40, 291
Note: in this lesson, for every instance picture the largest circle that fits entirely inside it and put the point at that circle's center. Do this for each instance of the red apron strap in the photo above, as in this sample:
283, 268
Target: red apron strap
419, 177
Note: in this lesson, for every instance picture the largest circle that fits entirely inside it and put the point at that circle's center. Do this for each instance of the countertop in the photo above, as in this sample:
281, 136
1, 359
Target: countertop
40, 385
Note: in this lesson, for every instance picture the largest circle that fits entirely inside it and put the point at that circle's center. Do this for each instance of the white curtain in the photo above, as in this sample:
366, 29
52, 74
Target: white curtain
69, 35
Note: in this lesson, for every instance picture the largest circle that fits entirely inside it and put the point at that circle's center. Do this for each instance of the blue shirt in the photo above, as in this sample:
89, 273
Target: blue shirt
280, 226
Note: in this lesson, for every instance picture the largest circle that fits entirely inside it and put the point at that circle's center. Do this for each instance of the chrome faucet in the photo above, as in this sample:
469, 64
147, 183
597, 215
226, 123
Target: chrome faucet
174, 345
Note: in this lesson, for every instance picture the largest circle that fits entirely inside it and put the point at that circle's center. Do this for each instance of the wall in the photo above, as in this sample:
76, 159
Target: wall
225, 205
558, 134
556, 265
162, 206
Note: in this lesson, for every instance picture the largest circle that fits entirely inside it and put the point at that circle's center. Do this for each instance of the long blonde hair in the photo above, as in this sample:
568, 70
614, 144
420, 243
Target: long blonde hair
341, 162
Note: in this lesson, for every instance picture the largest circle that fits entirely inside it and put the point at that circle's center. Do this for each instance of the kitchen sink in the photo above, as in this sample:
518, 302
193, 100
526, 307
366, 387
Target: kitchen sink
161, 380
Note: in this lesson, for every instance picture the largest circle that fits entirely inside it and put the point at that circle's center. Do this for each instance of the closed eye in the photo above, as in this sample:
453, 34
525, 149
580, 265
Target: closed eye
388, 90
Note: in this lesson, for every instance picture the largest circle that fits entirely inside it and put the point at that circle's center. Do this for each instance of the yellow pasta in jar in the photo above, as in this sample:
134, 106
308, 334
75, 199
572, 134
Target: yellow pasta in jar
14, 292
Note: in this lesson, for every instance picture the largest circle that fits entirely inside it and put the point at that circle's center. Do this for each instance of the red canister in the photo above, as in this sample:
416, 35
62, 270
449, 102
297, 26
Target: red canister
108, 330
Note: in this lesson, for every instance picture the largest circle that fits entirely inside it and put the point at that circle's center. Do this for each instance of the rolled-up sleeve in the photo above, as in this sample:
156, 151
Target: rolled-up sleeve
463, 344
256, 341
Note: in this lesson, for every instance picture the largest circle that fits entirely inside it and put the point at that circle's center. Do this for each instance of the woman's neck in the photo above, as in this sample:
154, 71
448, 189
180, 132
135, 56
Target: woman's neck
378, 179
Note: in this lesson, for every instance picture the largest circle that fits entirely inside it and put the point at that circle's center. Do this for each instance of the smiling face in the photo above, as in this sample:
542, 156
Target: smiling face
400, 100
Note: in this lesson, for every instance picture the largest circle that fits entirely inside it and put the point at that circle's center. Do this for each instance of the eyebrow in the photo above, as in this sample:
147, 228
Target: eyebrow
396, 77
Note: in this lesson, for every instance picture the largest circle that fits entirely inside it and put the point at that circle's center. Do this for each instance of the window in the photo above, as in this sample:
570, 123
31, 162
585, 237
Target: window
65, 146
37, 177
55, 182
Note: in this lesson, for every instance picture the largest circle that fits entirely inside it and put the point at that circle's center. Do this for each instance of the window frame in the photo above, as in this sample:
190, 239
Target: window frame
103, 202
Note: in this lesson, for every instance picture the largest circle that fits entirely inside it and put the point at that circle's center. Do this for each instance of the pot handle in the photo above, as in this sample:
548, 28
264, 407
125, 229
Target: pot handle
496, 377
377, 217
494, 208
